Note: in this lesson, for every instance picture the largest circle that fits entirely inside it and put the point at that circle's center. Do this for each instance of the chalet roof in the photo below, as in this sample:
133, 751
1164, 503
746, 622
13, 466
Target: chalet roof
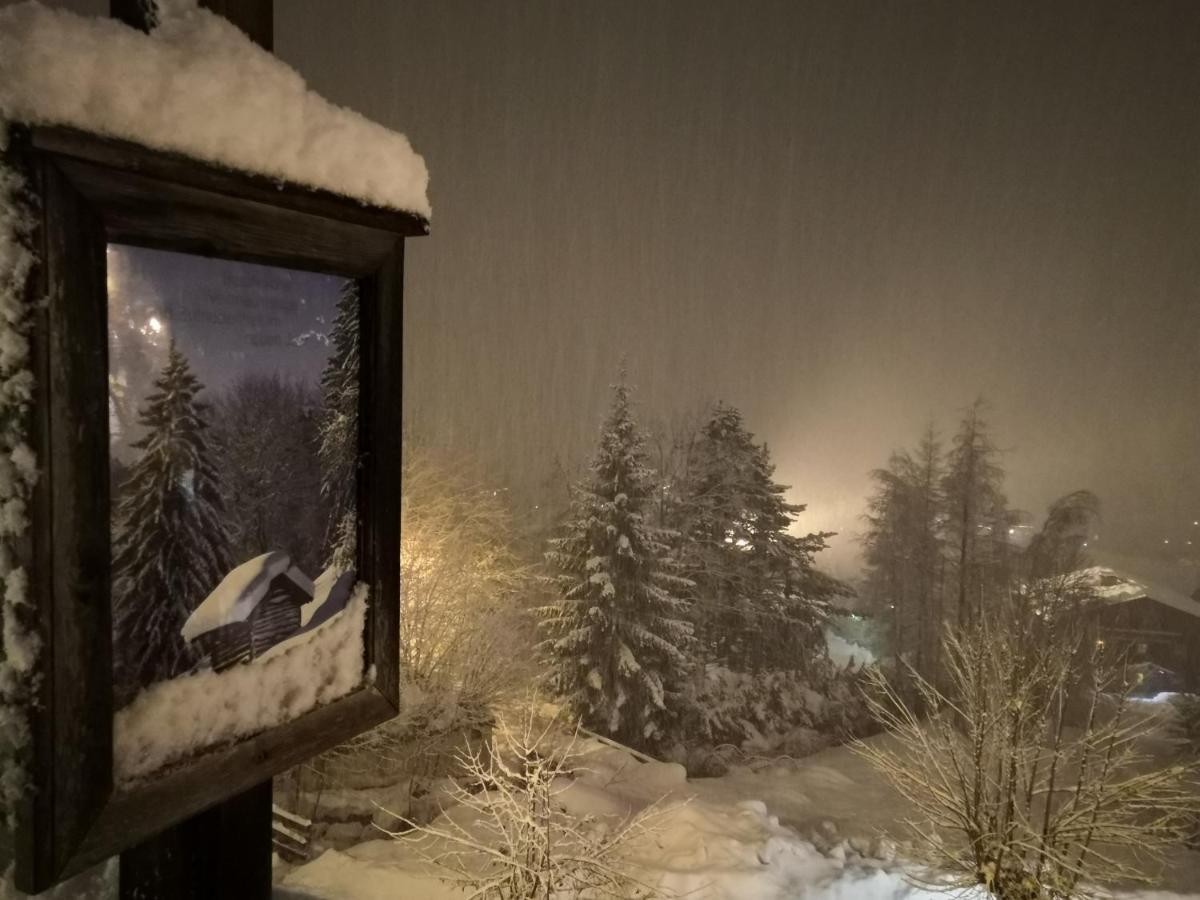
331, 590
239, 592
331, 593
1134, 582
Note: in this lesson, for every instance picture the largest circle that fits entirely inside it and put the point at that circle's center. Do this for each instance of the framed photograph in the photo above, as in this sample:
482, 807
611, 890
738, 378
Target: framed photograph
215, 541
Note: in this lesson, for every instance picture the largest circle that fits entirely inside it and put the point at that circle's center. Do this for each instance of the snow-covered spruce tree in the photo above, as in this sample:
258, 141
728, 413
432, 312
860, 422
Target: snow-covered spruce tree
759, 601
617, 632
170, 538
338, 450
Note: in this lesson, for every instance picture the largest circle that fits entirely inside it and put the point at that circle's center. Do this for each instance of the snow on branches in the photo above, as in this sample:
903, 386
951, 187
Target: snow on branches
618, 631
1028, 770
170, 543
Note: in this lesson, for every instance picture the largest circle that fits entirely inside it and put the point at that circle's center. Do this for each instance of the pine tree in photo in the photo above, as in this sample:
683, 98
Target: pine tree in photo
170, 542
617, 631
338, 450
759, 600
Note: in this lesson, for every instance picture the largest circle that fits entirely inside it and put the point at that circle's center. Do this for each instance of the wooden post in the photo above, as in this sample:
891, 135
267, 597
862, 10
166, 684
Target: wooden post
226, 851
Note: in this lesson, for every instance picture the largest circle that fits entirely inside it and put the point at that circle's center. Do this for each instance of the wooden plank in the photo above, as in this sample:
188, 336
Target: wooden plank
73, 737
617, 745
141, 210
380, 441
175, 168
136, 814
290, 816
282, 830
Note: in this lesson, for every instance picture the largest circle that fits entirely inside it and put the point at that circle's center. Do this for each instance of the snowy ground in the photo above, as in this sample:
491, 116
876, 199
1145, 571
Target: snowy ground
811, 829
715, 848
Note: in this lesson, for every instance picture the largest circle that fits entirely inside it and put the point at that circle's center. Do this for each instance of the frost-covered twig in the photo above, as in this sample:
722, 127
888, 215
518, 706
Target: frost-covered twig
1011, 792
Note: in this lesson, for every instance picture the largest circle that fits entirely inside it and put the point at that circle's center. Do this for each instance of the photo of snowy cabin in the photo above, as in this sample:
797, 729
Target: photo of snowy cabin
1144, 614
259, 606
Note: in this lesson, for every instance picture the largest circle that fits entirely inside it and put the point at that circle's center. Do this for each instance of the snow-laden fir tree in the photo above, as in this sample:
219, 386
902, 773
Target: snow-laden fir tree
170, 539
617, 631
759, 601
338, 450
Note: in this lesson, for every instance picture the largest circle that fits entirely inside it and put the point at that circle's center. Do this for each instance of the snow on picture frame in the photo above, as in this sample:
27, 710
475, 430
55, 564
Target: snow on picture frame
109, 767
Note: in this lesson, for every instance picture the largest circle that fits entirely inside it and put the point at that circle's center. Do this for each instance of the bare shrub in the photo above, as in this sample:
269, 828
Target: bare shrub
1010, 794
465, 630
507, 835
466, 637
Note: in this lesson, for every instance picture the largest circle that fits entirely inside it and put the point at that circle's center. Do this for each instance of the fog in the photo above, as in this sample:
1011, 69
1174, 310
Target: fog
846, 219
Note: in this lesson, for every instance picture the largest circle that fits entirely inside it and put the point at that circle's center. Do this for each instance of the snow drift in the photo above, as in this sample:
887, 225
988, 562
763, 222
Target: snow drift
174, 719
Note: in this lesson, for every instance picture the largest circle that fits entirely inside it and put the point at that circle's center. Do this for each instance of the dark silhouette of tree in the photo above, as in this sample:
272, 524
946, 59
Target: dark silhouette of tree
267, 432
759, 601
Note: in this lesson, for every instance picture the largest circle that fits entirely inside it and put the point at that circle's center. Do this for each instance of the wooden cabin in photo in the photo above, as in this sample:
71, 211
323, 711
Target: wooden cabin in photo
260, 605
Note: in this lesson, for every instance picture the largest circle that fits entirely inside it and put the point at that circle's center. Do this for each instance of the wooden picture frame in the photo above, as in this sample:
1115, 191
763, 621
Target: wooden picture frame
90, 192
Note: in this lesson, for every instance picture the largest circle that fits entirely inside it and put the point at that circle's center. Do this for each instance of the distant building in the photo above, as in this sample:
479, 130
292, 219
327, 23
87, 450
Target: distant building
1155, 622
260, 605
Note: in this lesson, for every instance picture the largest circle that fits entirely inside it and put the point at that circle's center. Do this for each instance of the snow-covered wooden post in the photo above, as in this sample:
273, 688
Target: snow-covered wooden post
161, 662
224, 851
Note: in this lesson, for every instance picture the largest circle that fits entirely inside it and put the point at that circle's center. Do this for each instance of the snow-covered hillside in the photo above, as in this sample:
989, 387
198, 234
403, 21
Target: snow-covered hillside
791, 830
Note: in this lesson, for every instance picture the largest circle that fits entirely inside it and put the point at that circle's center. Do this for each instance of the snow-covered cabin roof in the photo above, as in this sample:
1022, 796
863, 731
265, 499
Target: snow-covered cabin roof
1113, 586
198, 86
330, 593
239, 592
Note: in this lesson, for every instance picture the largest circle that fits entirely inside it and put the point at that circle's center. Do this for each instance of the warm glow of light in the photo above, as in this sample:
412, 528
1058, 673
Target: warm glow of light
155, 325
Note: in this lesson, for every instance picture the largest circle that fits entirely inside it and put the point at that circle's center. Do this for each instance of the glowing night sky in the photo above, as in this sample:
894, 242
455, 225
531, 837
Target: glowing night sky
230, 319
845, 217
